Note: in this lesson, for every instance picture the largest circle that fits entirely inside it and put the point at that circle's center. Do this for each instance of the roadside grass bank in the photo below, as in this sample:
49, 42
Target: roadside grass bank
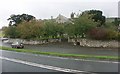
112, 58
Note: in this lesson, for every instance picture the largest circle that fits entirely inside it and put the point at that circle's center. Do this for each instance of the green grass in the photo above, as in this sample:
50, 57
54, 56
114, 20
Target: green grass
61, 54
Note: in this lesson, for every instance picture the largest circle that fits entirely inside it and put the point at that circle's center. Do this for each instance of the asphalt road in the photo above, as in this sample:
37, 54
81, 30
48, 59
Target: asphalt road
70, 49
9, 66
23, 62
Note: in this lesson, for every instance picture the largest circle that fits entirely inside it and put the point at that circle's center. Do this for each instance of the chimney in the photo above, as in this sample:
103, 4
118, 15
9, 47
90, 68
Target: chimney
51, 17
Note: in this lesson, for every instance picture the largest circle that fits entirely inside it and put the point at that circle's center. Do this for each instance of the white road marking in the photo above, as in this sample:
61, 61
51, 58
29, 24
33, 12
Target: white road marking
42, 66
116, 62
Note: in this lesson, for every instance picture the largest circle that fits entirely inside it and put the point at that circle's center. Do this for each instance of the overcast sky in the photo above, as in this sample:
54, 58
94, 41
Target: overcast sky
43, 9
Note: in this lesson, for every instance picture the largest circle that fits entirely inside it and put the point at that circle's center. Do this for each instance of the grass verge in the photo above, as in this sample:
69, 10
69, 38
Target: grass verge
61, 54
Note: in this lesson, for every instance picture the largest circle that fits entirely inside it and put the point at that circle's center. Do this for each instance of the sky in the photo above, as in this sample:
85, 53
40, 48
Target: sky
44, 9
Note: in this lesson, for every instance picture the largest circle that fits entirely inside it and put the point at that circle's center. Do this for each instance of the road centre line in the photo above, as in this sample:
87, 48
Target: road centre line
42, 66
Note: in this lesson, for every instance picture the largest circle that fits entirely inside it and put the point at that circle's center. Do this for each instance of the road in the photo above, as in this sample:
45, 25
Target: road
9, 66
70, 49
40, 63
25, 62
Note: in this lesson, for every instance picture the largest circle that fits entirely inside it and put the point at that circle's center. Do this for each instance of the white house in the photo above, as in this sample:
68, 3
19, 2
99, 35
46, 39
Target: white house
62, 19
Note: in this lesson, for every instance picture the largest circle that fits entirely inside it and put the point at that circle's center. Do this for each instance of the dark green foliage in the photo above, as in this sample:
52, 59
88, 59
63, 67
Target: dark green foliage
118, 36
53, 29
117, 21
97, 16
90, 23
17, 19
72, 15
111, 34
29, 30
11, 32
80, 26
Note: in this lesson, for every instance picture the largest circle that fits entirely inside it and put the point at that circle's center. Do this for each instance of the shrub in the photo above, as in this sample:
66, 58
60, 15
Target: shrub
11, 32
104, 34
111, 34
118, 36
97, 33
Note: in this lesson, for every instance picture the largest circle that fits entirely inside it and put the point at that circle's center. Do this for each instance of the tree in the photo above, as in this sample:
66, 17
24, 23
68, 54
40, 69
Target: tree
52, 29
72, 15
116, 21
17, 19
30, 30
97, 16
80, 26
11, 32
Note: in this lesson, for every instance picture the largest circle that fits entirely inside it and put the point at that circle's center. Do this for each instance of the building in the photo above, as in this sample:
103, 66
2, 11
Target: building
112, 19
62, 19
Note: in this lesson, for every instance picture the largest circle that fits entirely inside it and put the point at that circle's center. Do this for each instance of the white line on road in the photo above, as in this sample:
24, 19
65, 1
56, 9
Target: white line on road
42, 66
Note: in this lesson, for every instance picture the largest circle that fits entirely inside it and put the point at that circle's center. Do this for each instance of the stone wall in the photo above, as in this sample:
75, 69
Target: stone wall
34, 41
96, 43
82, 42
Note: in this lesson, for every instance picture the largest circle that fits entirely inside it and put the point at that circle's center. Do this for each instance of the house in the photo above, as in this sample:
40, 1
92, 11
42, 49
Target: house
62, 19
112, 19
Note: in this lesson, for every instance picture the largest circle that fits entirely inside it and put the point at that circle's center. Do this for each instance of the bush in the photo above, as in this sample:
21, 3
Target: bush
104, 34
111, 34
118, 36
11, 32
97, 33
